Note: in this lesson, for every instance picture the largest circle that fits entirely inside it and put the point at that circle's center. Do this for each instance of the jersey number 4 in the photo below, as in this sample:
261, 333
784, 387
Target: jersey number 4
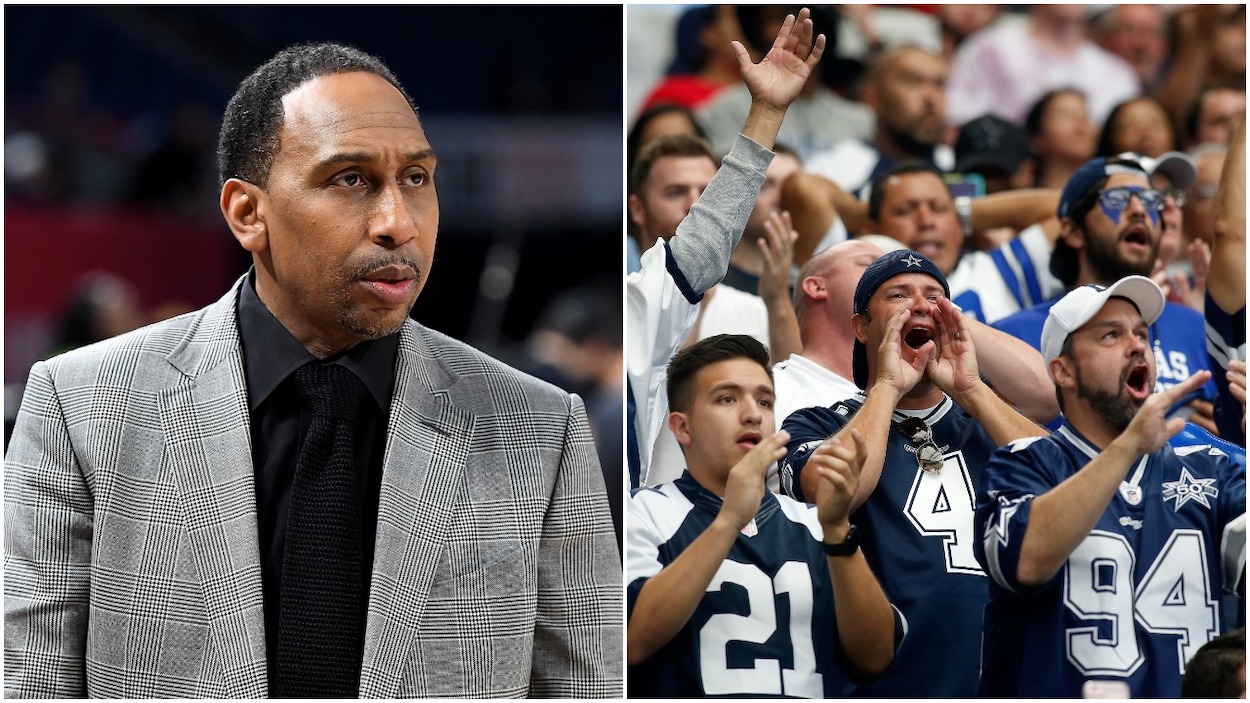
1173, 598
941, 504
766, 677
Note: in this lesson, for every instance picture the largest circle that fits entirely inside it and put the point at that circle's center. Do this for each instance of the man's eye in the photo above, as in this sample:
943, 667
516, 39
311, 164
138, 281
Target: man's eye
350, 180
418, 178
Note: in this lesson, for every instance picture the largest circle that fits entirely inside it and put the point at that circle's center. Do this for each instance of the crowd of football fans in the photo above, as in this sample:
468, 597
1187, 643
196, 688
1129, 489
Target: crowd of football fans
1024, 158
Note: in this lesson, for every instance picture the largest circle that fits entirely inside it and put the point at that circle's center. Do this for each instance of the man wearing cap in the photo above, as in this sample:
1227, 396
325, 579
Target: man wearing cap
1106, 547
993, 149
1110, 222
930, 424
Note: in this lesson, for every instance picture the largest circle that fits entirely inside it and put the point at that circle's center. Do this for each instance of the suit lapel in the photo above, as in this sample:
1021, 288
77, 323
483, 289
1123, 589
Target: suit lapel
208, 444
427, 438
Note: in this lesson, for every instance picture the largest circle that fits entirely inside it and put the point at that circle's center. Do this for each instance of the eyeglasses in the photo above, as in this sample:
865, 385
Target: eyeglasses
1118, 199
1177, 194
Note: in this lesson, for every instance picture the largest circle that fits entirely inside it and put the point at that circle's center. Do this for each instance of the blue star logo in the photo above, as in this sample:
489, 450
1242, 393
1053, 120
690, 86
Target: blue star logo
1188, 488
911, 260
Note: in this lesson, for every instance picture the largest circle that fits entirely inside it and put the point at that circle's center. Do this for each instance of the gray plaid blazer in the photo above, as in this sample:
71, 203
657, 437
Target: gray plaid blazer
132, 568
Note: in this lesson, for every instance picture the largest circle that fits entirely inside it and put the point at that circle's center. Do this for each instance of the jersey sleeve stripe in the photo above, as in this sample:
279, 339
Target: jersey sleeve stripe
1009, 276
679, 278
1029, 274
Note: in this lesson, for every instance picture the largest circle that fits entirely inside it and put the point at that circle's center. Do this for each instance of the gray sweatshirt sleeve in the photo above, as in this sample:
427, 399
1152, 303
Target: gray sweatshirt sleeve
707, 235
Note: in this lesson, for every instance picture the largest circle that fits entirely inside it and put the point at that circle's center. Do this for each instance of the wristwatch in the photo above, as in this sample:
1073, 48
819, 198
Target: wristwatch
847, 547
963, 208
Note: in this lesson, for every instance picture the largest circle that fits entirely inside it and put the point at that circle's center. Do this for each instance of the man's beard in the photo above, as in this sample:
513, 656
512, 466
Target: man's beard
908, 143
1108, 265
1116, 408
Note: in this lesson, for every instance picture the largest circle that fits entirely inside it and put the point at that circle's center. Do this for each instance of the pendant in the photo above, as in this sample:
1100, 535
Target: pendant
930, 457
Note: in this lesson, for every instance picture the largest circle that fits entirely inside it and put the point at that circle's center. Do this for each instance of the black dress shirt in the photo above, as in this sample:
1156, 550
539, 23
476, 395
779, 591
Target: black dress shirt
270, 356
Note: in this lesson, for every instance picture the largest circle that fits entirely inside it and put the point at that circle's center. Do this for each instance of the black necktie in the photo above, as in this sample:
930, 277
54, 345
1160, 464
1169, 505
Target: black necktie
321, 628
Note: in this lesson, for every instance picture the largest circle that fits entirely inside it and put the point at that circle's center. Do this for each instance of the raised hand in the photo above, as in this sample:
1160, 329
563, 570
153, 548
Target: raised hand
1151, 428
837, 463
744, 487
777, 249
779, 77
954, 369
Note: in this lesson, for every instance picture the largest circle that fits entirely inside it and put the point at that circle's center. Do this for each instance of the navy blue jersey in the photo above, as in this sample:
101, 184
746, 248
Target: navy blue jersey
1137, 598
916, 531
1226, 340
766, 625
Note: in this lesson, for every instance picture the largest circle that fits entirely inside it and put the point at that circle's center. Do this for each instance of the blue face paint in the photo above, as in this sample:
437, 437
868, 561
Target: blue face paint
1114, 213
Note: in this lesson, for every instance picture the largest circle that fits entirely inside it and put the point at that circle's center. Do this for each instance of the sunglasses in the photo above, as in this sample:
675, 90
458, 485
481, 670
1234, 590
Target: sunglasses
1118, 199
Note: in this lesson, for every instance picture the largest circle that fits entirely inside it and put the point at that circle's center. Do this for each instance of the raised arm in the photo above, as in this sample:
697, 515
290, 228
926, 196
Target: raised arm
1015, 371
668, 599
814, 203
1018, 209
1063, 516
865, 621
899, 368
779, 77
777, 248
955, 370
1226, 281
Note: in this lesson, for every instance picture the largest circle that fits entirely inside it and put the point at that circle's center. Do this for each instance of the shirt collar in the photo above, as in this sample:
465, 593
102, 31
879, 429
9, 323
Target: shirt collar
271, 354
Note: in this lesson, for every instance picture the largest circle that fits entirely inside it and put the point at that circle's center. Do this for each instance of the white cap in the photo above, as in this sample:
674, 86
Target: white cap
1179, 168
1082, 304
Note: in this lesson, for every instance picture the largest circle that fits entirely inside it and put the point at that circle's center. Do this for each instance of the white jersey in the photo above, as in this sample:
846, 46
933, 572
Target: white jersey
1015, 276
662, 297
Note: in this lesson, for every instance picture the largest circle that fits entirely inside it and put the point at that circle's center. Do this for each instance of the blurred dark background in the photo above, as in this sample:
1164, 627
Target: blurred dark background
111, 216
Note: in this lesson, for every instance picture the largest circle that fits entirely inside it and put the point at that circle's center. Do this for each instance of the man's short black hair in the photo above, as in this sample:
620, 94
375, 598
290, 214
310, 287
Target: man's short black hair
685, 364
249, 130
877, 195
1216, 670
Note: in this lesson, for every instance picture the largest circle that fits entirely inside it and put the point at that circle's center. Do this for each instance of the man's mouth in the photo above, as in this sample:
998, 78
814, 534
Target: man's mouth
1137, 235
750, 439
929, 249
394, 273
1137, 381
394, 284
917, 337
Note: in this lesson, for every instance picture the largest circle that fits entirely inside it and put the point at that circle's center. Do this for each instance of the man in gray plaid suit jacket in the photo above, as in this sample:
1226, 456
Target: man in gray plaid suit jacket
132, 560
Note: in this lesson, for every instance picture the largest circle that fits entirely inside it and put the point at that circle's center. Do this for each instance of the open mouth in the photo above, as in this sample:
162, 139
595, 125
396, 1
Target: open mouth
1137, 381
916, 337
1137, 235
750, 439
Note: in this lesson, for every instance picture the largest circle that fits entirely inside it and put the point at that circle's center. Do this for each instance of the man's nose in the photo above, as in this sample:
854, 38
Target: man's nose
393, 222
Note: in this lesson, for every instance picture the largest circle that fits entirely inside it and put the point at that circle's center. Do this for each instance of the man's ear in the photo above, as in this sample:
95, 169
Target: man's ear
1062, 372
859, 325
635, 210
1071, 234
814, 288
243, 205
680, 425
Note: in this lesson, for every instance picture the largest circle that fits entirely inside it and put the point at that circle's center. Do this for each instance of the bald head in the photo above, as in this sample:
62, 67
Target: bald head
828, 279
